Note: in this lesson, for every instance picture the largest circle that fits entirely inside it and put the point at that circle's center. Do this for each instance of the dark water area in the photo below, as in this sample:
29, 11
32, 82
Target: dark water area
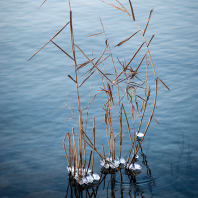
33, 94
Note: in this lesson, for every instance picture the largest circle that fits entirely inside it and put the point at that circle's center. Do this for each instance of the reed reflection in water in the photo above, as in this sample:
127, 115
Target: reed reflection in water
112, 183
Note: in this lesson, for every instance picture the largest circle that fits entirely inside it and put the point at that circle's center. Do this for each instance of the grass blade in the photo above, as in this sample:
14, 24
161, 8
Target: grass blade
93, 64
163, 83
95, 34
49, 40
133, 16
71, 78
147, 22
62, 50
41, 5
151, 39
87, 78
127, 39
128, 62
83, 64
123, 7
113, 6
156, 120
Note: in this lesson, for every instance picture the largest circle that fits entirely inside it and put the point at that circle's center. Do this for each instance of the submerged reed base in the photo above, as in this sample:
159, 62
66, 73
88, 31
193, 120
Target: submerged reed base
111, 180
120, 89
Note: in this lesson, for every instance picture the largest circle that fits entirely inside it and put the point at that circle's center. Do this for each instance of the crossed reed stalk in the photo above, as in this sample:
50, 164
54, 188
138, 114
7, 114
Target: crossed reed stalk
126, 86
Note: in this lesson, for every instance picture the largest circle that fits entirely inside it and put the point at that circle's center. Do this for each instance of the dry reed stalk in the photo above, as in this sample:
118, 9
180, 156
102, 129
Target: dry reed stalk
136, 105
93, 134
113, 149
84, 146
110, 97
122, 42
94, 149
101, 55
93, 64
152, 110
41, 5
62, 50
113, 6
133, 121
102, 61
163, 83
154, 104
140, 98
108, 116
112, 56
87, 137
98, 152
151, 39
88, 163
92, 99
124, 69
74, 143
137, 148
79, 158
91, 145
71, 78
132, 142
102, 157
109, 91
135, 72
74, 164
120, 129
103, 150
146, 71
129, 154
147, 22
81, 125
88, 107
95, 34
145, 103
133, 16
71, 110
76, 78
77, 167
105, 120
79, 66
82, 65
123, 7
107, 45
69, 141
156, 120
67, 134
87, 78
110, 148
120, 99
49, 40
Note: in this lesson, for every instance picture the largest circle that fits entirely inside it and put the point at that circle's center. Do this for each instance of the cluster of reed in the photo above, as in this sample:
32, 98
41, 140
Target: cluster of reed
110, 182
126, 83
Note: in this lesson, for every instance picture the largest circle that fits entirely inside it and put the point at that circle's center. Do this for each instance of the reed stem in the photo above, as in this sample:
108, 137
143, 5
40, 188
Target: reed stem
93, 134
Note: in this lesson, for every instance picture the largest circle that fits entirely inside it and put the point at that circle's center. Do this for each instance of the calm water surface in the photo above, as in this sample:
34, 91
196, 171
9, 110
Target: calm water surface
33, 93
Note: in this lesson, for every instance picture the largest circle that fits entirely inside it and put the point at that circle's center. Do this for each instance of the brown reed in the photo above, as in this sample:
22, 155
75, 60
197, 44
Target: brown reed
126, 78
93, 134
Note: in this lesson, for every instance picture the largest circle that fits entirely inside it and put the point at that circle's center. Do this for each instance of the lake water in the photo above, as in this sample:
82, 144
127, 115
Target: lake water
33, 93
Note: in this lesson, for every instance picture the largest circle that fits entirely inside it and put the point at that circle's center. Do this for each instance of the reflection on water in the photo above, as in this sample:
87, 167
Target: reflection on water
123, 183
114, 183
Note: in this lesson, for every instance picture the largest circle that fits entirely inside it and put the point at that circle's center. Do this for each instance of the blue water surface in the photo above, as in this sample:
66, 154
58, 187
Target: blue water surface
35, 92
